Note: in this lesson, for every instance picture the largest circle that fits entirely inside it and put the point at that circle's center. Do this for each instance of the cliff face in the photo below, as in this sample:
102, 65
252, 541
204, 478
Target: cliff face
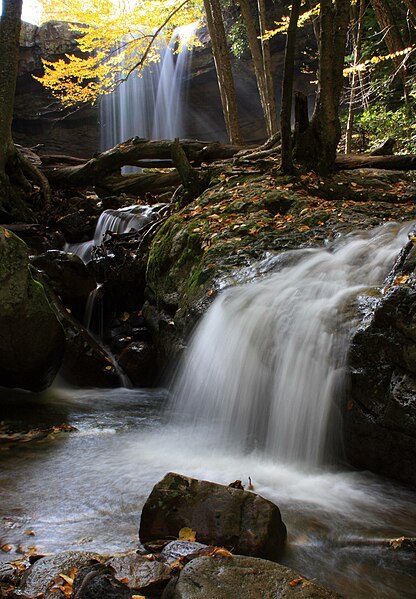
39, 118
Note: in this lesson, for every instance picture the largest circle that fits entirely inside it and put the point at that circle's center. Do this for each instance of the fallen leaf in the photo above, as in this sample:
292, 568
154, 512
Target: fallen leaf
396, 543
295, 582
401, 279
221, 552
187, 534
6, 548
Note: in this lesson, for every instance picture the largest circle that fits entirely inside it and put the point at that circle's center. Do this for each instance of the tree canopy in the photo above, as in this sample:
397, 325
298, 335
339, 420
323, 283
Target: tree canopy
115, 40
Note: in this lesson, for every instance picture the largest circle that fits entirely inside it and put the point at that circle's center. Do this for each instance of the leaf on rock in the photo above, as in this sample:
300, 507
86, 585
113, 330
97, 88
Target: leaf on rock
295, 582
401, 279
187, 534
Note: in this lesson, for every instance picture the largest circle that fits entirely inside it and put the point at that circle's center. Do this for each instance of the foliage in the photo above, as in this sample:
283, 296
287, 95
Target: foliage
378, 123
115, 40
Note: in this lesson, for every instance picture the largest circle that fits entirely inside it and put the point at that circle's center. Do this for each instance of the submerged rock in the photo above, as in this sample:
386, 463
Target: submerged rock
31, 337
240, 576
380, 416
238, 520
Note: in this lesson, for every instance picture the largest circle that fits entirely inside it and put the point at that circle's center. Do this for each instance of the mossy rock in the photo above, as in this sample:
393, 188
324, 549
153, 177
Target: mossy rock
31, 338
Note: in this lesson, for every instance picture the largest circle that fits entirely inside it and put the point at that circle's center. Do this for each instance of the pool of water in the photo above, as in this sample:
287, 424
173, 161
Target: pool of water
85, 489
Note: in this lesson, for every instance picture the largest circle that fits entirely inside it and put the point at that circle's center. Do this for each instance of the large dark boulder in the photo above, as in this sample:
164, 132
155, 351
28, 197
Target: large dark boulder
31, 338
68, 276
237, 577
220, 515
380, 415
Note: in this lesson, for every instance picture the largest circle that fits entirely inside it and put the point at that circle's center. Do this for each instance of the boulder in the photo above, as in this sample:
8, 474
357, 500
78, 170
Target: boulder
223, 516
240, 576
139, 573
138, 361
38, 578
98, 582
176, 550
380, 414
68, 276
32, 341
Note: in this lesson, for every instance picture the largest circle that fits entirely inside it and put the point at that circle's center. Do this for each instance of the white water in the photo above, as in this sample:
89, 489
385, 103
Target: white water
266, 367
116, 221
85, 490
150, 104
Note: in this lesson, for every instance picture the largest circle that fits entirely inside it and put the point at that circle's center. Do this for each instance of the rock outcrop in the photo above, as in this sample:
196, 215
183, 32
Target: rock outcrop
31, 337
220, 515
238, 576
380, 416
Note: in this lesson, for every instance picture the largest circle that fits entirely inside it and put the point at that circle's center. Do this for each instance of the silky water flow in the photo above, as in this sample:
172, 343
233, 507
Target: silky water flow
257, 395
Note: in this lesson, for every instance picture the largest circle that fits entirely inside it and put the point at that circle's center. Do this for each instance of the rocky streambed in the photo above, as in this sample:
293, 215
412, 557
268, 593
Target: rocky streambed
249, 223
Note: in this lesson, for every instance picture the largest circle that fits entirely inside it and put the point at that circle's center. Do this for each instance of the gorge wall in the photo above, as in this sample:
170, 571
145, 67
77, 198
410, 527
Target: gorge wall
40, 120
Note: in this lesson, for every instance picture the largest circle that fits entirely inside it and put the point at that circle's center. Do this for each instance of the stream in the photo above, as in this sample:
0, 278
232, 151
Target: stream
84, 489
256, 397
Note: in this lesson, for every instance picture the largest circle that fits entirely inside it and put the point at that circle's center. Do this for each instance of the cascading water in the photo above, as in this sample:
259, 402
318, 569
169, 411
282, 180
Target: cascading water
117, 221
338, 520
150, 104
266, 367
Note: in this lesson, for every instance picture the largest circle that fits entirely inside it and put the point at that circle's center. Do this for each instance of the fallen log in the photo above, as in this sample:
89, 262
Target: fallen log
130, 153
141, 183
397, 162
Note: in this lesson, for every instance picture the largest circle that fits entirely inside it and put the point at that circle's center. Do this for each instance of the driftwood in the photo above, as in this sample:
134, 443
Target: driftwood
396, 162
130, 153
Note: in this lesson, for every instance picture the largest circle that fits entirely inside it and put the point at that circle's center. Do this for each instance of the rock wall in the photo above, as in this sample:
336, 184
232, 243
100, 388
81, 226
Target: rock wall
380, 416
39, 119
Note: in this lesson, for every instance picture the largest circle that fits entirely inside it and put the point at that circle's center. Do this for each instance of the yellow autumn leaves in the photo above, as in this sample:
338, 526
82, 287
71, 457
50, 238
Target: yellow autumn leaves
115, 38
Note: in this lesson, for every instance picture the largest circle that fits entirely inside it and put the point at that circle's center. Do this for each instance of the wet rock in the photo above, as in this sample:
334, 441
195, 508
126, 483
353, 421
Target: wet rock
98, 581
220, 515
380, 415
69, 278
38, 238
239, 576
179, 549
139, 573
40, 575
138, 361
31, 337
75, 227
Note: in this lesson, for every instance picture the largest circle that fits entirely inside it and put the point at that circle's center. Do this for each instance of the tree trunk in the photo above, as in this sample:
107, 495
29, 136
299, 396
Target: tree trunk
9, 55
267, 67
392, 38
256, 55
287, 89
397, 162
355, 77
318, 145
223, 67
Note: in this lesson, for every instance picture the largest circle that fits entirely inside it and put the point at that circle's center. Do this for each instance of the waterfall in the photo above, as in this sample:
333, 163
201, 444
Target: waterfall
266, 367
116, 221
150, 104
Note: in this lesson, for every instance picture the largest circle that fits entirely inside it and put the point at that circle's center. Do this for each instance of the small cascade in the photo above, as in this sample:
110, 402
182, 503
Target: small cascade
124, 220
266, 367
150, 104
116, 221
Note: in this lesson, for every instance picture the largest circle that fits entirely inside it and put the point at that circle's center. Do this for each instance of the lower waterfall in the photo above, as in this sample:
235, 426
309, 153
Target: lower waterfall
265, 370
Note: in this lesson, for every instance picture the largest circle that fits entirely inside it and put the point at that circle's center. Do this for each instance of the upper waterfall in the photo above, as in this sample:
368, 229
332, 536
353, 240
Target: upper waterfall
266, 366
150, 103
